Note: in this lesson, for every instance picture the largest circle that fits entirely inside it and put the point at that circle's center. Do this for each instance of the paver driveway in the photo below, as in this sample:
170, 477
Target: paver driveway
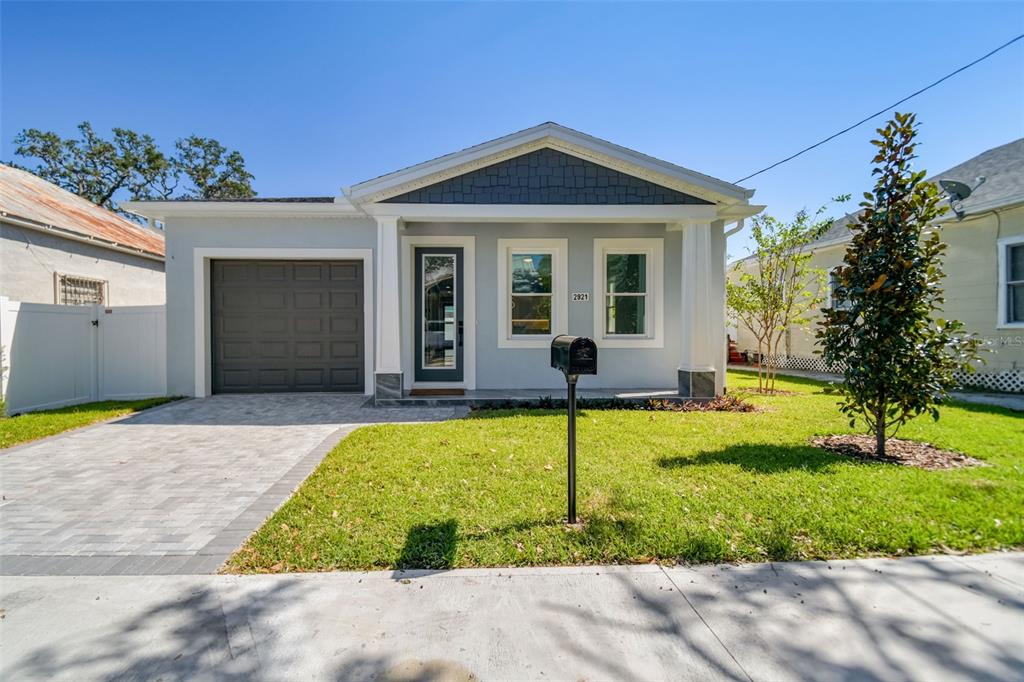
172, 490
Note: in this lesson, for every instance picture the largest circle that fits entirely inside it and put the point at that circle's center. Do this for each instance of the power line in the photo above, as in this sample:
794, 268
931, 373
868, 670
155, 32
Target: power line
879, 113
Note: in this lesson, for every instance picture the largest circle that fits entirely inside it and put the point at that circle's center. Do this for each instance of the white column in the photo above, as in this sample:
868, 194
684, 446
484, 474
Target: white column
388, 318
699, 298
717, 298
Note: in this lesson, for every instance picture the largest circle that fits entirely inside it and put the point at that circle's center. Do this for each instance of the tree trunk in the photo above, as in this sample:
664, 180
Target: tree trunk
760, 365
880, 433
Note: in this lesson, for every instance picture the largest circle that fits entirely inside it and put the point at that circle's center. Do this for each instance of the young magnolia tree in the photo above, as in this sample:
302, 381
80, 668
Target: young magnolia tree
898, 356
779, 287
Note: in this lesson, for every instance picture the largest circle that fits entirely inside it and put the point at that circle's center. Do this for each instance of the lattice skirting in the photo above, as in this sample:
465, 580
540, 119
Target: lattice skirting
1005, 381
803, 362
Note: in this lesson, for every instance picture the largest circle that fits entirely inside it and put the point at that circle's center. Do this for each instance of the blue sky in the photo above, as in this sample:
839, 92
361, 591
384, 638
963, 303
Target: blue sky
321, 95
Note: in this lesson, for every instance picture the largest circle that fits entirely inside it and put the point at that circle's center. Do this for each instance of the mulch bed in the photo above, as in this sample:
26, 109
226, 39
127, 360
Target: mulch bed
904, 452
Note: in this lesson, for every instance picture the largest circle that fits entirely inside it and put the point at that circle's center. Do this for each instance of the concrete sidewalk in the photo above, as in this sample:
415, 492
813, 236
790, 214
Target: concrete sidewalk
929, 618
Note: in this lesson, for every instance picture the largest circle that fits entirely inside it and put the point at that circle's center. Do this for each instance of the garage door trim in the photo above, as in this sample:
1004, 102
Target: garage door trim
202, 305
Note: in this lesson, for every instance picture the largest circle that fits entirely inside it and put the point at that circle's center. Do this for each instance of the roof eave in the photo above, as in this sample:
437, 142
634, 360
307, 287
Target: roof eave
80, 237
161, 210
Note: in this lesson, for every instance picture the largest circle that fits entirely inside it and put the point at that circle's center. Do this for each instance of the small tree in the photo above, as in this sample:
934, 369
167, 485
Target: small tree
782, 286
899, 359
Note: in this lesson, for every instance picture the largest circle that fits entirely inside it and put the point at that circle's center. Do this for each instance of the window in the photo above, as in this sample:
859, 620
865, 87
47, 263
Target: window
530, 305
1011, 278
625, 294
72, 290
628, 292
836, 299
531, 291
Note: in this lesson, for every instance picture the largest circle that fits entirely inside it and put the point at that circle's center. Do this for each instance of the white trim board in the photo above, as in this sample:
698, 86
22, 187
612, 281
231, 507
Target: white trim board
545, 213
201, 257
468, 245
1002, 245
559, 249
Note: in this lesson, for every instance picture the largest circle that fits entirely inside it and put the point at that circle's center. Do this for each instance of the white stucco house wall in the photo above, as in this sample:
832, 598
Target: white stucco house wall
58, 248
457, 273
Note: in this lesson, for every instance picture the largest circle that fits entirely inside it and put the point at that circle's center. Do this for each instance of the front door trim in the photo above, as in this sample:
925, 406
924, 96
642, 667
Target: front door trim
468, 246
201, 257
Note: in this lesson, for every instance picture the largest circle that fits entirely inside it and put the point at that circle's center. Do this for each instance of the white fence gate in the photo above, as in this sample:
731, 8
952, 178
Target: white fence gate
57, 355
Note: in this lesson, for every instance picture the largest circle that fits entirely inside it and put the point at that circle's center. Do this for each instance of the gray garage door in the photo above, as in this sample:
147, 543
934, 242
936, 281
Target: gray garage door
280, 325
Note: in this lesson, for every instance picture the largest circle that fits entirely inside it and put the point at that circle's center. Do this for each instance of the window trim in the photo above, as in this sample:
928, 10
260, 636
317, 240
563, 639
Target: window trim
1003, 248
559, 250
654, 249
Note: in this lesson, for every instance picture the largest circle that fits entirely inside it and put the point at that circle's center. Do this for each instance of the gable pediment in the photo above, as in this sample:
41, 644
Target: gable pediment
546, 176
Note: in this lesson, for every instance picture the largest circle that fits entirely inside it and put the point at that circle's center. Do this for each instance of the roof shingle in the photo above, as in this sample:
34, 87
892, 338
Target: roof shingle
1003, 170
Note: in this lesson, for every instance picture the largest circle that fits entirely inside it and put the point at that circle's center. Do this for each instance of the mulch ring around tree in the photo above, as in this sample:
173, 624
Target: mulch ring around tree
904, 452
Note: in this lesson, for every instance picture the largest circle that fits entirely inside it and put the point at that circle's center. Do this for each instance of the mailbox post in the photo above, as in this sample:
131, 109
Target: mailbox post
573, 356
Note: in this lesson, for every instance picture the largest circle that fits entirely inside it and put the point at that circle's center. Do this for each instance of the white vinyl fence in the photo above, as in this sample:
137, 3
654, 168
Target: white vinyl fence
57, 355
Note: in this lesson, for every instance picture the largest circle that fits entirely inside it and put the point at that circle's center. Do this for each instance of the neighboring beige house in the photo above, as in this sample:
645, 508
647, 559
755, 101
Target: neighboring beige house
984, 267
56, 247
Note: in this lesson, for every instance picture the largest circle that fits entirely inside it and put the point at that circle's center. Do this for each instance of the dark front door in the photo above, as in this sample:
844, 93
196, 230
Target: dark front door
439, 314
287, 325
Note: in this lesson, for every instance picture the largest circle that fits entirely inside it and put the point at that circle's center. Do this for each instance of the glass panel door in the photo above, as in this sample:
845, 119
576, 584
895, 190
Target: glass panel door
439, 304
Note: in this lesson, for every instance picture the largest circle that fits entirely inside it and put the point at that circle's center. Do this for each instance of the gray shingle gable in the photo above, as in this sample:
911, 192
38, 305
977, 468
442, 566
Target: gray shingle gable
546, 176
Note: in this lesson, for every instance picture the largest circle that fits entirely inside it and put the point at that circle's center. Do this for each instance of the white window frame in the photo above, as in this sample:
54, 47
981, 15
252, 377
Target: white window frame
1003, 245
654, 249
559, 250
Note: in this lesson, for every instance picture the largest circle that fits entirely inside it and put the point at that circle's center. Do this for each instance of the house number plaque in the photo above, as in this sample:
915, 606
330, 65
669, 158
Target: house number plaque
580, 296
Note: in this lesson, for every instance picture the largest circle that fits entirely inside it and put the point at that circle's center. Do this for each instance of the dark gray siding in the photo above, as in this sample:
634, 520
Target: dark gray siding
545, 176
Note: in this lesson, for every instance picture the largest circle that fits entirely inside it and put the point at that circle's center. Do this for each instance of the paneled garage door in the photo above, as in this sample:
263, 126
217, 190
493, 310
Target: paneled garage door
287, 325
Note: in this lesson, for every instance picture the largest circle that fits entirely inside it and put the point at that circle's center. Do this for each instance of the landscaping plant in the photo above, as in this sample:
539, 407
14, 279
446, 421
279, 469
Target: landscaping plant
781, 287
898, 356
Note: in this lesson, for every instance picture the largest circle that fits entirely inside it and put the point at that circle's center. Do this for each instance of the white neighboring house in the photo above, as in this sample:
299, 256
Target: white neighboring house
58, 248
984, 266
455, 274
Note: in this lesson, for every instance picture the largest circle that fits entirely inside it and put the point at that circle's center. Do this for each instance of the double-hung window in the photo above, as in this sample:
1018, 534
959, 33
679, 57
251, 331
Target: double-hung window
836, 298
628, 285
626, 294
532, 292
1011, 281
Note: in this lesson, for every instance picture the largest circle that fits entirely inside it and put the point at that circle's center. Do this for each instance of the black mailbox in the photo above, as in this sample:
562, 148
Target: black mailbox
574, 355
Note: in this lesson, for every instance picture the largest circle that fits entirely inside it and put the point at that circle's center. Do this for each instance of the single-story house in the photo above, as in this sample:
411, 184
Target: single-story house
455, 274
984, 266
56, 247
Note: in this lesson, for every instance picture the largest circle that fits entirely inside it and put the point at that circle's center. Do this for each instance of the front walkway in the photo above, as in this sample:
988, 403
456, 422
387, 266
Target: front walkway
170, 490
929, 618
1010, 401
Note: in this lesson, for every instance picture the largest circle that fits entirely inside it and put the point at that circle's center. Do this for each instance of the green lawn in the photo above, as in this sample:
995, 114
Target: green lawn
33, 425
490, 490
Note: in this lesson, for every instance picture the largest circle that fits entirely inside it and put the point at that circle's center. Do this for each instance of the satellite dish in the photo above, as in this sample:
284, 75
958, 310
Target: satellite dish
957, 191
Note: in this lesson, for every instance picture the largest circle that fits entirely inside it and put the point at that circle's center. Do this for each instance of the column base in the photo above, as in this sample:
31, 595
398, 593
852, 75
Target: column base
696, 384
387, 385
